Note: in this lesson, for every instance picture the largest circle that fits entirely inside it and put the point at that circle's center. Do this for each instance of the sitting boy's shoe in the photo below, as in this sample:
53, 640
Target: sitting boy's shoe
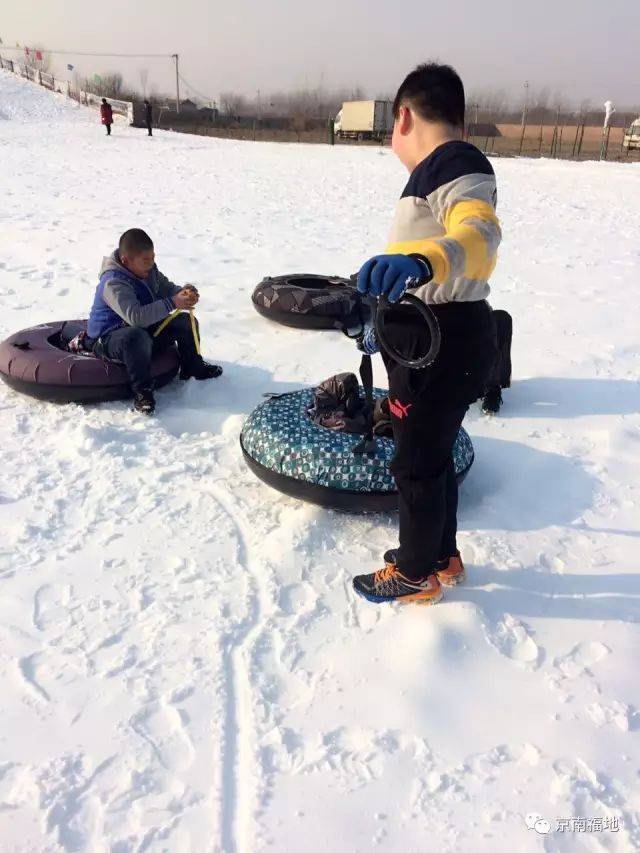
389, 584
204, 370
144, 402
82, 344
450, 571
492, 401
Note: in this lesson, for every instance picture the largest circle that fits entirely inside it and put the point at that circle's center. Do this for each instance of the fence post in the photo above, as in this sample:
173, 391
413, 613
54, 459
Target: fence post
524, 128
331, 131
604, 147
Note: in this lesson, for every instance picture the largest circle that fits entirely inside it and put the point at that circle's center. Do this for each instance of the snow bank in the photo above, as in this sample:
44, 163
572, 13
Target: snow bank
24, 101
183, 663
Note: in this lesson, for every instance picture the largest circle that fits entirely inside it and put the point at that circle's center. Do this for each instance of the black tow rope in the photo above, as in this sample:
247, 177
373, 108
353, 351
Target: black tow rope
379, 310
368, 443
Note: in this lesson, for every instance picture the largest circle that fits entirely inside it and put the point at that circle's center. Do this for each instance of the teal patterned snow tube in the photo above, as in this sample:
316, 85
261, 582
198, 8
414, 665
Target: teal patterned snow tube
288, 451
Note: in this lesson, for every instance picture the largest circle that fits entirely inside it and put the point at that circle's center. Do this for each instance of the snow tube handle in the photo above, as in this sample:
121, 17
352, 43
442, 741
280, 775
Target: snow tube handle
361, 319
382, 309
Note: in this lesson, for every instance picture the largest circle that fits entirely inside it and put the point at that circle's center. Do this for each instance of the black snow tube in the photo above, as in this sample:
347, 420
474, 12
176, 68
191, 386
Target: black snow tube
291, 453
311, 302
36, 362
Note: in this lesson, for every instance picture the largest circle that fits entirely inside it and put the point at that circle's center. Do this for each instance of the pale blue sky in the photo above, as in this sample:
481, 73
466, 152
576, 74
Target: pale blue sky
582, 49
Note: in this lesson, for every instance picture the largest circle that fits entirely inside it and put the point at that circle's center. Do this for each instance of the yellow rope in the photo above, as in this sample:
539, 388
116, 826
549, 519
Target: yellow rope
196, 337
194, 330
166, 322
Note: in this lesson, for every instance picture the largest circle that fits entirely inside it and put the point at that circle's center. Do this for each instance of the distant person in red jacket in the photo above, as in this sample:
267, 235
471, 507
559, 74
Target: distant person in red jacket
106, 115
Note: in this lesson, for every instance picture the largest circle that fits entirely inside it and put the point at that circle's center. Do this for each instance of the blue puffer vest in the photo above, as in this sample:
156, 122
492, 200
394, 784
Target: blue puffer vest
102, 318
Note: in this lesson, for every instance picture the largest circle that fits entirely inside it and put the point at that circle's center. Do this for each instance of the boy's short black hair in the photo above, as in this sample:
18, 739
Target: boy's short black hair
134, 241
435, 92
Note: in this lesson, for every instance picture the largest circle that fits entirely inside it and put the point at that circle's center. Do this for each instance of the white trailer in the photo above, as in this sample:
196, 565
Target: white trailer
364, 120
632, 136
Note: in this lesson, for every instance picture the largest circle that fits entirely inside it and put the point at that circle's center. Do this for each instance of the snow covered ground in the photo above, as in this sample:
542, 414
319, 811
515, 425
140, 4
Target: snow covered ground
183, 663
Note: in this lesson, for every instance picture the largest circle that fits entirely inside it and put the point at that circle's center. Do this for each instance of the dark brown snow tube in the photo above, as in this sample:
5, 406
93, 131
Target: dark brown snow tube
307, 301
36, 362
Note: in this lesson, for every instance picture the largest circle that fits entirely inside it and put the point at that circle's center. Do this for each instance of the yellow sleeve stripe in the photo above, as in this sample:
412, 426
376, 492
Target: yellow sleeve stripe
472, 209
462, 246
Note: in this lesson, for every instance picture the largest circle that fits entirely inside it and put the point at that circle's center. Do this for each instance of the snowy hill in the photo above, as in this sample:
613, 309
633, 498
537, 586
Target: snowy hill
183, 663
23, 101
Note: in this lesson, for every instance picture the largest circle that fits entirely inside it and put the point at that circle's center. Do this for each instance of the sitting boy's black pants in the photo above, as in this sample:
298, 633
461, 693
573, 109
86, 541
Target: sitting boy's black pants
134, 346
427, 408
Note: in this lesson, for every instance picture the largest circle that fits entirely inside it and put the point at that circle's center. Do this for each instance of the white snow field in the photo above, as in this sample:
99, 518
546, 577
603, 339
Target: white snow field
184, 665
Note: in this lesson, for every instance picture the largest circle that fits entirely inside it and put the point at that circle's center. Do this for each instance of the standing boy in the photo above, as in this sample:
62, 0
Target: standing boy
443, 249
106, 115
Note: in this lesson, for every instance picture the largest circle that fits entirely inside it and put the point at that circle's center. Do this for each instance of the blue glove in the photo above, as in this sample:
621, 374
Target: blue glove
368, 342
392, 275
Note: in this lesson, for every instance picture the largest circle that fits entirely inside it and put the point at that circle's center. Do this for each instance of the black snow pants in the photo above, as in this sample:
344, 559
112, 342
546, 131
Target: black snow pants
427, 408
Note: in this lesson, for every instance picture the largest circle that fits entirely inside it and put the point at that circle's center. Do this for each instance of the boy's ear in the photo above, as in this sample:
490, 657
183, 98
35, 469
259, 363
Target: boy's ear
405, 120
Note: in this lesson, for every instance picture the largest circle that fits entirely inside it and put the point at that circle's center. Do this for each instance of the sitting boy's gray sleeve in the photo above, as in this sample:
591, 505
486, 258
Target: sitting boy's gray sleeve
165, 286
121, 298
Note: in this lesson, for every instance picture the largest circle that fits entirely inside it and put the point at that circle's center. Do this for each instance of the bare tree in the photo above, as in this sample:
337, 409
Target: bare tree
144, 76
109, 85
233, 104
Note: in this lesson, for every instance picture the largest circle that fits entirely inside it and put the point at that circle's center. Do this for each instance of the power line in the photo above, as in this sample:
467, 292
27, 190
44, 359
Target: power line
42, 50
195, 91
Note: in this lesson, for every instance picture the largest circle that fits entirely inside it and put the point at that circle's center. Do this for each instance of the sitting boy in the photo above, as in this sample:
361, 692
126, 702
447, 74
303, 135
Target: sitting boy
132, 299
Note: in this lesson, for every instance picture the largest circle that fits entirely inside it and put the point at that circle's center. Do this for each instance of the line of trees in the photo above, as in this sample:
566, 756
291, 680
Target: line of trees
317, 103
483, 105
540, 107
303, 105
110, 84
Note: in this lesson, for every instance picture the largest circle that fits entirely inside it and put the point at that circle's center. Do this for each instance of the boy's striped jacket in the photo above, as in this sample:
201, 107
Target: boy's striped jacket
447, 215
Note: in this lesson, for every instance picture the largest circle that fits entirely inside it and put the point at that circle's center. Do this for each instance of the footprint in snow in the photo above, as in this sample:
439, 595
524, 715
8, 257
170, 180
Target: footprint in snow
162, 727
511, 638
297, 598
581, 657
616, 714
51, 607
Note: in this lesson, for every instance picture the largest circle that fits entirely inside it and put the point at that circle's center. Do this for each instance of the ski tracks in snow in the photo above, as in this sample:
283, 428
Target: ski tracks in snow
238, 762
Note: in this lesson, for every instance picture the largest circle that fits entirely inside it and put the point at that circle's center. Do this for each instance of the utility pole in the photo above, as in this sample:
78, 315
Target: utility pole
526, 102
175, 57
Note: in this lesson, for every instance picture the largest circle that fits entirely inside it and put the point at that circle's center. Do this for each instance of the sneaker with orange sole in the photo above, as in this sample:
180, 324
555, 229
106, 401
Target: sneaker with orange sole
450, 571
389, 584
